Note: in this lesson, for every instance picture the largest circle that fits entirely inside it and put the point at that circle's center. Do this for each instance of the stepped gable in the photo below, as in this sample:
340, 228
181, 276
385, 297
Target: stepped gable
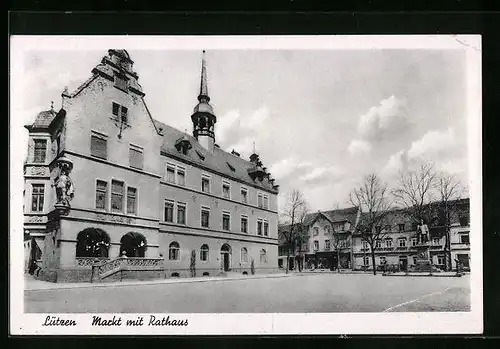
217, 160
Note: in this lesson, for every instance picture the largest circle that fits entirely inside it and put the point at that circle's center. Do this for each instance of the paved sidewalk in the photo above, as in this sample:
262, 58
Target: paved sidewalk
427, 274
32, 284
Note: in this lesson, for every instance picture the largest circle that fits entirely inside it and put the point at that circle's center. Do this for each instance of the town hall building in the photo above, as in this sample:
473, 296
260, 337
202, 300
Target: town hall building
111, 190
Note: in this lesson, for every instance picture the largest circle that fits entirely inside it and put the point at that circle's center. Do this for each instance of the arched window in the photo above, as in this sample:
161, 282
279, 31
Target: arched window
204, 253
327, 229
173, 251
92, 242
263, 256
133, 245
244, 255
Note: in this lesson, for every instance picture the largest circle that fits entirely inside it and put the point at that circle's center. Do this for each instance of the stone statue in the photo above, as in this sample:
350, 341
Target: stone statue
423, 235
64, 188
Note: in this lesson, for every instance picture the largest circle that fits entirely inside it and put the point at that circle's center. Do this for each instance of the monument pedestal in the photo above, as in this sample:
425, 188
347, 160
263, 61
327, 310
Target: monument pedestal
423, 263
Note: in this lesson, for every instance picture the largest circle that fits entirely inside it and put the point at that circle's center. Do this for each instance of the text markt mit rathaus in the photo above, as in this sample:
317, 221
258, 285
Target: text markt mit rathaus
153, 321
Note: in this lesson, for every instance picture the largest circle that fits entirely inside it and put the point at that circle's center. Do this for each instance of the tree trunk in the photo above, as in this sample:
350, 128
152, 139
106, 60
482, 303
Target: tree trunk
287, 261
372, 251
338, 260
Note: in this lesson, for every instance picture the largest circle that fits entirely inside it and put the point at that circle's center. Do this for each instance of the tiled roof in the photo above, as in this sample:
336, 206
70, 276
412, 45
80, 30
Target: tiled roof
219, 161
339, 215
44, 119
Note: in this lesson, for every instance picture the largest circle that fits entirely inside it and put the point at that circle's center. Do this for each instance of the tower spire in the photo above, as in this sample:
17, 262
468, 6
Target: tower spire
203, 84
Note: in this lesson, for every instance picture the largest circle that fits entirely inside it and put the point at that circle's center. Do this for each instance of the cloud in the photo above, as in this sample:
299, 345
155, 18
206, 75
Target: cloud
225, 123
396, 163
257, 118
320, 175
385, 119
359, 147
433, 144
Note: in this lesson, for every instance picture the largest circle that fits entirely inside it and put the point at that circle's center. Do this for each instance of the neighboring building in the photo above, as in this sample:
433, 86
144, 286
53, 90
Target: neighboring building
397, 246
326, 232
104, 179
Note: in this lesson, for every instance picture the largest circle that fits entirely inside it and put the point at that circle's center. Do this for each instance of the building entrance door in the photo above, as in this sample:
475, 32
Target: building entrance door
225, 254
403, 263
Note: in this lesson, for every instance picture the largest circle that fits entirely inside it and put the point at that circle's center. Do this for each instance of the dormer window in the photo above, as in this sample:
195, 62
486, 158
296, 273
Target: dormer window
183, 145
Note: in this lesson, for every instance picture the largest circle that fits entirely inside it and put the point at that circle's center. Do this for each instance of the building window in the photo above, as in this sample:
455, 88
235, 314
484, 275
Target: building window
327, 229
244, 195
131, 200
244, 224
116, 109
266, 228
435, 241
315, 231
244, 255
382, 260
464, 220
402, 242
98, 146
136, 157
464, 239
226, 190
440, 260
365, 245
259, 226
205, 217
366, 261
120, 112
173, 251
266, 202
414, 241
327, 245
40, 150
342, 227
181, 176
259, 200
170, 173
226, 221
169, 211
37, 197
316, 245
401, 227
181, 213
205, 184
101, 195
414, 259
378, 243
204, 253
388, 243
117, 191
263, 256
378, 229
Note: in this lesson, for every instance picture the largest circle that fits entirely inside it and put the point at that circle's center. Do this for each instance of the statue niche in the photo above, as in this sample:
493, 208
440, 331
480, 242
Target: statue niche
65, 189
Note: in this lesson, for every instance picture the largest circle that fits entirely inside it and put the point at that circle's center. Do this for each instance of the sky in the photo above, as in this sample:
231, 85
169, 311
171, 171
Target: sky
320, 119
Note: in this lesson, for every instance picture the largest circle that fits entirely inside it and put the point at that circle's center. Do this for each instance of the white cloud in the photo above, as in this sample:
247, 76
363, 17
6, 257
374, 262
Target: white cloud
359, 147
225, 123
433, 144
283, 167
386, 118
320, 173
257, 118
397, 162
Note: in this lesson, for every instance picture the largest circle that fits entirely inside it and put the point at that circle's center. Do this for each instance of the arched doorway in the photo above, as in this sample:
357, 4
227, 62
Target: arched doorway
92, 242
225, 255
133, 244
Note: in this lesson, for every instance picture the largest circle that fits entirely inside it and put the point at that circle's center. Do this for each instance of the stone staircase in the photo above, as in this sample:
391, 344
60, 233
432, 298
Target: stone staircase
105, 269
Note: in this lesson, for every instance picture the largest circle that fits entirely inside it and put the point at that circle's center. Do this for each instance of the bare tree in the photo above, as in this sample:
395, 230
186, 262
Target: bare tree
294, 216
414, 192
340, 240
373, 200
450, 191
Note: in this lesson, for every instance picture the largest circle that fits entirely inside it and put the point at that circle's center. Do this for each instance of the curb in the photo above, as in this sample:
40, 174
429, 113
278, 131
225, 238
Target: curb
424, 275
158, 282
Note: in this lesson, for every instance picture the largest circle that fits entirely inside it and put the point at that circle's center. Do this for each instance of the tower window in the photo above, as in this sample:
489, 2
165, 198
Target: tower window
40, 150
37, 197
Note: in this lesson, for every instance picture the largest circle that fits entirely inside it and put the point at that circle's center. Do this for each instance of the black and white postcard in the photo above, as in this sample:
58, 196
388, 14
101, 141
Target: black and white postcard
245, 185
